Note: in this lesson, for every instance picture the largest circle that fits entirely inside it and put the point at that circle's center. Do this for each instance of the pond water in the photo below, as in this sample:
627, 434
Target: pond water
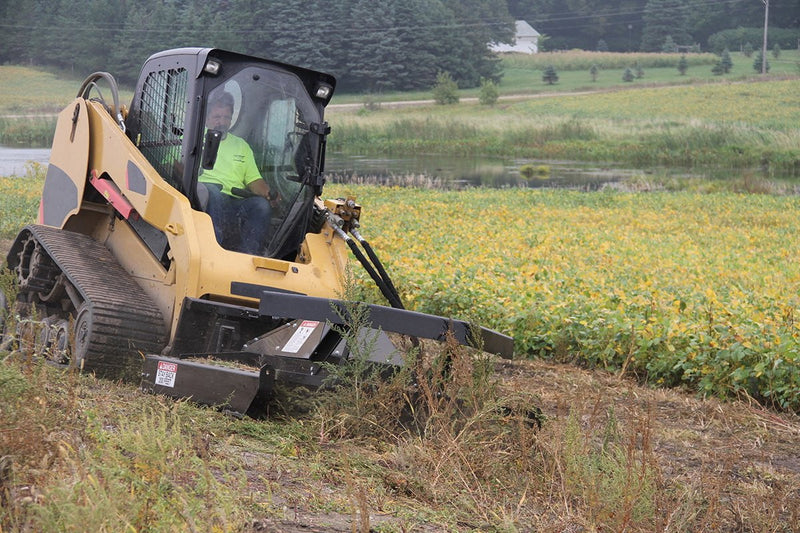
13, 160
458, 172
431, 171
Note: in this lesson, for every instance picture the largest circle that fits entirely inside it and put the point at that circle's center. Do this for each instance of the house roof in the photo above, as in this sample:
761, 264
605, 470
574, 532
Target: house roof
525, 39
525, 30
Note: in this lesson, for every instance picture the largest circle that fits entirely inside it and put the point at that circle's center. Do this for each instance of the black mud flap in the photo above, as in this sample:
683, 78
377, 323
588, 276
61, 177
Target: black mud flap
228, 388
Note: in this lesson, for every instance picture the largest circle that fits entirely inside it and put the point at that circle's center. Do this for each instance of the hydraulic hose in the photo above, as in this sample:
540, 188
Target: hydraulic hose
378, 265
390, 295
89, 82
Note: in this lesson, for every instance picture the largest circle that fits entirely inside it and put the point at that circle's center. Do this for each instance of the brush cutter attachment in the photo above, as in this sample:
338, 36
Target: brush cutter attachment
300, 352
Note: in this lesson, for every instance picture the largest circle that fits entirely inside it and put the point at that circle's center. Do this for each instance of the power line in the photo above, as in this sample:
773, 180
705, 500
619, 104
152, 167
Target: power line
562, 16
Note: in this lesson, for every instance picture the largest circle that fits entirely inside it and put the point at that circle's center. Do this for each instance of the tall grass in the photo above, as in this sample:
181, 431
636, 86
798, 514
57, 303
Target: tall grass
133, 463
457, 451
27, 131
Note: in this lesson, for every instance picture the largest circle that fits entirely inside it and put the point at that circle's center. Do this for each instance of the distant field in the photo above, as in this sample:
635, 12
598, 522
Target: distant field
523, 74
25, 90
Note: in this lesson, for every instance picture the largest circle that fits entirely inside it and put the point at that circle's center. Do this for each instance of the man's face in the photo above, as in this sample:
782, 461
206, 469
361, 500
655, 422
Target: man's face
219, 118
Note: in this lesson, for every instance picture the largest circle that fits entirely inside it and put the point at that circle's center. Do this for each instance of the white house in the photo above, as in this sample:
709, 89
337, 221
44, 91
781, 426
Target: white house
526, 40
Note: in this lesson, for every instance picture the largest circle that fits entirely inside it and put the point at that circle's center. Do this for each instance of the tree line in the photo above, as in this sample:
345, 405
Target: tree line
644, 25
370, 45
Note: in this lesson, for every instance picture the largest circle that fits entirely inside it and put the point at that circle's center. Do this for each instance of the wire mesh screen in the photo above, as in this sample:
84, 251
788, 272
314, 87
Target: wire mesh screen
163, 108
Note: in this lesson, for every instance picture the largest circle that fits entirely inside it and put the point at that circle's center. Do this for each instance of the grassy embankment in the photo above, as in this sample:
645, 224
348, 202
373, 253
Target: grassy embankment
29, 100
736, 125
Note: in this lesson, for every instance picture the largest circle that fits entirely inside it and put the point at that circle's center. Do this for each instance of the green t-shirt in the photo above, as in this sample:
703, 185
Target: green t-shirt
235, 165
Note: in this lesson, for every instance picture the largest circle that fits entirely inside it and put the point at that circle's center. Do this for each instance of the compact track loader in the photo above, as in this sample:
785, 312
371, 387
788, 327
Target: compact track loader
124, 274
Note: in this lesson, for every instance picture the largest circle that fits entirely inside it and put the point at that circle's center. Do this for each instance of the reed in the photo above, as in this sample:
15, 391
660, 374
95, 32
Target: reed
27, 131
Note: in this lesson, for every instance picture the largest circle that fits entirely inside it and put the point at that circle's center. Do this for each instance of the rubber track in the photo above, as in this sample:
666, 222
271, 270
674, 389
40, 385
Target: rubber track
126, 323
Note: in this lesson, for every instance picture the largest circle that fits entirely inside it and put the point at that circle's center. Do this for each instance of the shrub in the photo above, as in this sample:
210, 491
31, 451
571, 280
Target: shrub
445, 91
488, 94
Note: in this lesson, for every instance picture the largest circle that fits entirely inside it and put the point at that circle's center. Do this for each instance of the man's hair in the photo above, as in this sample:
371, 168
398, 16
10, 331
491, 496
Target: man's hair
223, 99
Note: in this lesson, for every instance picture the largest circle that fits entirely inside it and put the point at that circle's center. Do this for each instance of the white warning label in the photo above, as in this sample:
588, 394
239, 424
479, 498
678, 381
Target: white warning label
166, 373
300, 336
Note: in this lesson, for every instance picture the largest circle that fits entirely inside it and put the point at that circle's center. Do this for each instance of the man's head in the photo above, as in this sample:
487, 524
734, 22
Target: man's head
220, 112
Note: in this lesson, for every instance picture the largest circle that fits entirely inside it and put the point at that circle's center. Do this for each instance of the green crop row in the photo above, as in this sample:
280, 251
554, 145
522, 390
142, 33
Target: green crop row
681, 289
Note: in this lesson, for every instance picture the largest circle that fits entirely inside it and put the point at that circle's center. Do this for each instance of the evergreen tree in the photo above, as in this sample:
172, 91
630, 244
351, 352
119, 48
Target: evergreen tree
550, 76
369, 46
776, 51
759, 60
418, 44
683, 65
669, 46
725, 61
373, 63
627, 75
747, 50
593, 71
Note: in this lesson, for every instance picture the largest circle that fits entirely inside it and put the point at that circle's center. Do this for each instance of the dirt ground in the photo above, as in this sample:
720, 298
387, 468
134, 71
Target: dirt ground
735, 460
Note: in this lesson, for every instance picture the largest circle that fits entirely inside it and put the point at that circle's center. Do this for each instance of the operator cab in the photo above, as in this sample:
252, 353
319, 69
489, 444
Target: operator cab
277, 110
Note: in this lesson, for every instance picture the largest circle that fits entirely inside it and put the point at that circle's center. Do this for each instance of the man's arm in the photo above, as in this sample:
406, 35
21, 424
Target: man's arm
259, 187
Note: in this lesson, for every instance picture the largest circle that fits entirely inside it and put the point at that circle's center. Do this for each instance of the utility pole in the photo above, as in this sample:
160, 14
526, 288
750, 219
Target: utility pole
764, 45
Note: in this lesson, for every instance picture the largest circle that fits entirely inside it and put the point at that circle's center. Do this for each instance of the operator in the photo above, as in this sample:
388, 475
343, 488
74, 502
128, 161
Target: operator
240, 224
